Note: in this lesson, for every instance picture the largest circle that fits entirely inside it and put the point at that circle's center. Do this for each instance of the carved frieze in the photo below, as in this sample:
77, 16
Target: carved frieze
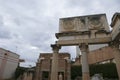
96, 22
83, 23
68, 24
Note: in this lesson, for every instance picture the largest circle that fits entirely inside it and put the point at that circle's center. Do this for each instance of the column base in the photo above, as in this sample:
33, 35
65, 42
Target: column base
86, 76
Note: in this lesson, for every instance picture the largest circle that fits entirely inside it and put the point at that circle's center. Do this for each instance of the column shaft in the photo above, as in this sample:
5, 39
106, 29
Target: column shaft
54, 68
68, 70
85, 66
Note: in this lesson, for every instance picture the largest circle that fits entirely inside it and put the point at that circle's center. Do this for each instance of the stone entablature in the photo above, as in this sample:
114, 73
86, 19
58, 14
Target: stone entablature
91, 29
83, 23
49, 55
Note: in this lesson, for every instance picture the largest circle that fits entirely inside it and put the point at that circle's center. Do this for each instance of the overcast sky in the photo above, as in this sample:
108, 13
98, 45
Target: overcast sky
28, 27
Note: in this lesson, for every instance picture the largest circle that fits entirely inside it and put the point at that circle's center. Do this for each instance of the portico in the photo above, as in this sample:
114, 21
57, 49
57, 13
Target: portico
80, 31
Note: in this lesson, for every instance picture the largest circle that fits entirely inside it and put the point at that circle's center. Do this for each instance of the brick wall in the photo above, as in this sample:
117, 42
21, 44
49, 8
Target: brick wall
97, 56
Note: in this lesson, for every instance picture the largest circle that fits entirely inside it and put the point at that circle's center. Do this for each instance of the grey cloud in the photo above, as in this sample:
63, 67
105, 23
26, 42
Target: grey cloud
42, 41
4, 32
78, 3
33, 23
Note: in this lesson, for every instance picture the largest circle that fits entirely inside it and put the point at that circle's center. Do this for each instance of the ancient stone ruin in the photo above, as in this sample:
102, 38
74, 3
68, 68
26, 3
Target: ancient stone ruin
81, 31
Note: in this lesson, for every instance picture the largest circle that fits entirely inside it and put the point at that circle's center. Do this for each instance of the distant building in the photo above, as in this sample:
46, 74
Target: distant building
8, 63
91, 48
43, 67
101, 56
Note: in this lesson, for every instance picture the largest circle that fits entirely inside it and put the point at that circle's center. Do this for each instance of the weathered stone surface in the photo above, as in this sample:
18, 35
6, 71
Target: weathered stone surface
116, 26
83, 23
85, 66
74, 41
45, 63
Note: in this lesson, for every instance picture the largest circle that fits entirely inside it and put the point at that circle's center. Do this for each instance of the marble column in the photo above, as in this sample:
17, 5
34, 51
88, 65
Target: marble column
116, 52
85, 65
54, 68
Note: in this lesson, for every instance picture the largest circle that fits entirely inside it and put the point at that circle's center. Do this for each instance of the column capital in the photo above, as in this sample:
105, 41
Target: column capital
55, 47
83, 47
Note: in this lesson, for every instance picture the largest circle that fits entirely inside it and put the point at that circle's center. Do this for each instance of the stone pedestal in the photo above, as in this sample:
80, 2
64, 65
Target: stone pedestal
54, 68
85, 66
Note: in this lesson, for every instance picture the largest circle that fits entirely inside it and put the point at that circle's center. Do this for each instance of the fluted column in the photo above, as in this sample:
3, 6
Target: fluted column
85, 66
54, 68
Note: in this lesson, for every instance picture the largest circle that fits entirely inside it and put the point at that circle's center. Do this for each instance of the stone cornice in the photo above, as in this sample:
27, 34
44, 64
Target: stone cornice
72, 33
